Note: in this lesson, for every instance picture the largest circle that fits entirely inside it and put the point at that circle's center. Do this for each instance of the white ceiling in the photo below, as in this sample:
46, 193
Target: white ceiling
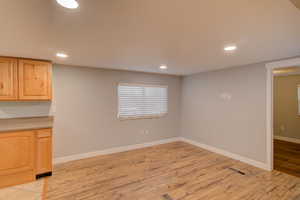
187, 35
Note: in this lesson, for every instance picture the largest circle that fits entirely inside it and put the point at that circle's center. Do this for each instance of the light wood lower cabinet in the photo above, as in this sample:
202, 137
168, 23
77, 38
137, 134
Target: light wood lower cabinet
23, 155
44, 151
17, 161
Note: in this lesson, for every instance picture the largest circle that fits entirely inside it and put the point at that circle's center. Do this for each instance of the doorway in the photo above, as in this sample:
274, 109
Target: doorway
269, 105
286, 120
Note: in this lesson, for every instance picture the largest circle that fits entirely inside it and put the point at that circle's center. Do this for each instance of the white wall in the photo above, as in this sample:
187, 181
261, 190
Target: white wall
25, 109
86, 105
226, 109
85, 108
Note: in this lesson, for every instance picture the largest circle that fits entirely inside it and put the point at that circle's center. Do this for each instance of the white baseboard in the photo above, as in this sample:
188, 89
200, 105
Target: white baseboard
113, 150
228, 154
287, 139
165, 141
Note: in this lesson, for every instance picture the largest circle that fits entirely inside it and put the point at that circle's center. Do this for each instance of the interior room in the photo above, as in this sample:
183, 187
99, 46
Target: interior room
287, 120
149, 100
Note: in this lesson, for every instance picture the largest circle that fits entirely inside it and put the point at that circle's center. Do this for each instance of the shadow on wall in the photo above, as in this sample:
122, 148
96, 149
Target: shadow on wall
296, 3
25, 109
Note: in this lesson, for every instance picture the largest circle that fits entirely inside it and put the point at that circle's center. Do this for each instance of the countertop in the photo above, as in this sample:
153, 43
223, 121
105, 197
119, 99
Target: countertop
30, 123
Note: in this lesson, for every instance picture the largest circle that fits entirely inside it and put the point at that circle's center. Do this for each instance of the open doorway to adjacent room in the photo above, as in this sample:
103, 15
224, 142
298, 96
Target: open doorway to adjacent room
286, 119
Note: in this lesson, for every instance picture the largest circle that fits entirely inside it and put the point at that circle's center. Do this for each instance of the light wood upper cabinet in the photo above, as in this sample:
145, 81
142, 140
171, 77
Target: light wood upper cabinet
17, 162
8, 79
35, 80
25, 80
44, 151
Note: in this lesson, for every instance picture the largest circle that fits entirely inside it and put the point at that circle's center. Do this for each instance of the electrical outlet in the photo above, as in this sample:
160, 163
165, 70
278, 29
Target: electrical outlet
226, 96
144, 132
282, 128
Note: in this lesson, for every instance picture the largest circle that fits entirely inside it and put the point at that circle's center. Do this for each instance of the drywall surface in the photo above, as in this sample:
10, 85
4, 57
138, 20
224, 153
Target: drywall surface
85, 108
226, 109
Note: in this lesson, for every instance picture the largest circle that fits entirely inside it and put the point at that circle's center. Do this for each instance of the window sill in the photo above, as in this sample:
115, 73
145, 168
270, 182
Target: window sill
143, 117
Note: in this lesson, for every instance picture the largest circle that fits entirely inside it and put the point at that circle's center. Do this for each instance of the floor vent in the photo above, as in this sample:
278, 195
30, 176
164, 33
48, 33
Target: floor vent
167, 197
237, 171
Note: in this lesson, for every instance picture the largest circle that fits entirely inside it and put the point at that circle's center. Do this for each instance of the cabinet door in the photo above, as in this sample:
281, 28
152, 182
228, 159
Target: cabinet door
17, 161
8, 79
44, 151
35, 80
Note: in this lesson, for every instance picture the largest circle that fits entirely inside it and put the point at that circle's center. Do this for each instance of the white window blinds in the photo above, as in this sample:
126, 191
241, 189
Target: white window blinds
142, 101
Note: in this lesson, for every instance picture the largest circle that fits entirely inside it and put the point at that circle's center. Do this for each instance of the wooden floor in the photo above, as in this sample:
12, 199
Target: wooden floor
177, 171
287, 157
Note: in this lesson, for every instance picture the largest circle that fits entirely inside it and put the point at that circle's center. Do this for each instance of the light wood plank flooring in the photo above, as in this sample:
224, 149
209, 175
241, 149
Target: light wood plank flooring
28, 191
287, 157
177, 171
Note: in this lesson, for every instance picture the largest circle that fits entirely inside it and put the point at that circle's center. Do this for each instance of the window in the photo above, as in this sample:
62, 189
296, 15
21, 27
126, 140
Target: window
142, 101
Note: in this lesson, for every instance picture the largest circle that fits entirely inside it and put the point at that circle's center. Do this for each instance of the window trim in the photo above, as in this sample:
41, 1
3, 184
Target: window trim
142, 85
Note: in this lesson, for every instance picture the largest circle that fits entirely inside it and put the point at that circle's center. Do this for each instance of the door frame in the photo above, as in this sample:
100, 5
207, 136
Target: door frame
269, 106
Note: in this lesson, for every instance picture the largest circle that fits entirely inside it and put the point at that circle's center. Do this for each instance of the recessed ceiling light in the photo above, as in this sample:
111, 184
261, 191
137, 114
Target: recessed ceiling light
71, 4
62, 55
230, 48
163, 67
